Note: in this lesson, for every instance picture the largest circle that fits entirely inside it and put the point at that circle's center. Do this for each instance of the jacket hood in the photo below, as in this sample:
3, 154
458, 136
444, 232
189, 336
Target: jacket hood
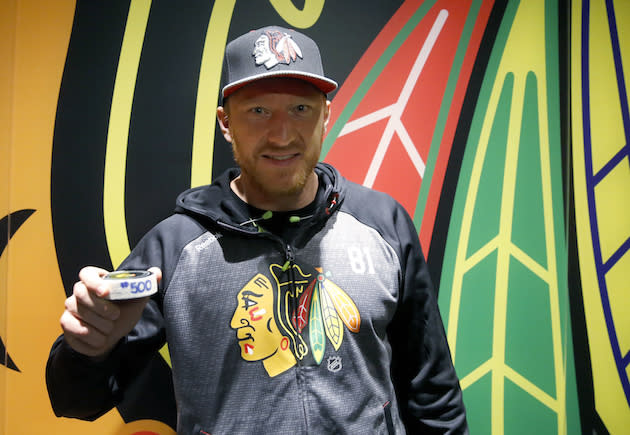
218, 203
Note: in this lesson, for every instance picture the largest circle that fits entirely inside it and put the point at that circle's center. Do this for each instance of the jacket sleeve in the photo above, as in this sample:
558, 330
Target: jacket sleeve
81, 388
427, 386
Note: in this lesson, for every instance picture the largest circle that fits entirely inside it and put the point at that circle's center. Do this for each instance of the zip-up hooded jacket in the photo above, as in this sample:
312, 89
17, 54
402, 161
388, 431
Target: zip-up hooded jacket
332, 328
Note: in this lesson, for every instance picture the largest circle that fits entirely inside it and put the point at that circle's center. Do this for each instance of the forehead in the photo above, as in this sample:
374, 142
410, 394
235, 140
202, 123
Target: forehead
277, 86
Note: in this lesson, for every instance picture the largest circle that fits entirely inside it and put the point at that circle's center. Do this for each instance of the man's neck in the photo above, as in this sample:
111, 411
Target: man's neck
286, 202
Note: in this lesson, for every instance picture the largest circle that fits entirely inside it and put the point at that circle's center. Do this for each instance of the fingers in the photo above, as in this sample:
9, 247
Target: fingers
84, 325
92, 278
92, 311
82, 337
93, 325
87, 300
88, 319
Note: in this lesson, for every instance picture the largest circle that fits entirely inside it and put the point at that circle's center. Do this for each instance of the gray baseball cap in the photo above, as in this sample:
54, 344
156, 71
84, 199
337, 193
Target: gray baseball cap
273, 52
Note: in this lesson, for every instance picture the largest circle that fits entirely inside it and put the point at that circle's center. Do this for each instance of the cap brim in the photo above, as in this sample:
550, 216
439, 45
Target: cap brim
324, 84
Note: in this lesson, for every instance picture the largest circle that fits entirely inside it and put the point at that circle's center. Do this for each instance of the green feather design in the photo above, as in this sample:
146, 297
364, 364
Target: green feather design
316, 328
332, 322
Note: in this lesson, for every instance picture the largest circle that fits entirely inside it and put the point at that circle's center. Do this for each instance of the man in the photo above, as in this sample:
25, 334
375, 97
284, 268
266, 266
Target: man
293, 300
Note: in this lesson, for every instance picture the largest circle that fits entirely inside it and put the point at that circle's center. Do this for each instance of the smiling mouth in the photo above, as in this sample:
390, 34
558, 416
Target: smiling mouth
281, 158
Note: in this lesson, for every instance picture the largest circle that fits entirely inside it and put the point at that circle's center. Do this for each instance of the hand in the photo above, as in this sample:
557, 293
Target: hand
93, 325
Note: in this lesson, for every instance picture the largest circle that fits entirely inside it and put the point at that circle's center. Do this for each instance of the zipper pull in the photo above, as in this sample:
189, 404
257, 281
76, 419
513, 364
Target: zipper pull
290, 257
332, 202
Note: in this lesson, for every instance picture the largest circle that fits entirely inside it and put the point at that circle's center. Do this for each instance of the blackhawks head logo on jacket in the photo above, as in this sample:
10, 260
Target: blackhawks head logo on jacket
290, 315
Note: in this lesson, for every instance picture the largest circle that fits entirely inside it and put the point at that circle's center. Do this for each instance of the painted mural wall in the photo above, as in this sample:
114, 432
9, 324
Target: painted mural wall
501, 126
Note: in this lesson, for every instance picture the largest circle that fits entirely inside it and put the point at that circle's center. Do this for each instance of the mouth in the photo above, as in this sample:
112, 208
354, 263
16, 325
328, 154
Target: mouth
281, 158
244, 336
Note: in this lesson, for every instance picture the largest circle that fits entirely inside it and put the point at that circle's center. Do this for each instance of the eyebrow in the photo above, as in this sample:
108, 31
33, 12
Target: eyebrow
251, 293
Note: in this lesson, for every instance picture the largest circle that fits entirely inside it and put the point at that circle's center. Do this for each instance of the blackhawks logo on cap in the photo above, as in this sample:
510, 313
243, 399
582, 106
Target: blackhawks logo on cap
274, 47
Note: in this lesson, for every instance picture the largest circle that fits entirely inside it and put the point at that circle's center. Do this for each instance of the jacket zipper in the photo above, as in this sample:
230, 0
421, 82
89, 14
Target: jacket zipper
288, 266
290, 258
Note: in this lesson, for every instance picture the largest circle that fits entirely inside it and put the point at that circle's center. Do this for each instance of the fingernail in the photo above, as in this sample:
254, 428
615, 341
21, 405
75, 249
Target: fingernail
102, 290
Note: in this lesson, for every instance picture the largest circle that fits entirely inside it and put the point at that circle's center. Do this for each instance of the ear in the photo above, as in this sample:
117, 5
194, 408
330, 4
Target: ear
222, 118
326, 118
326, 113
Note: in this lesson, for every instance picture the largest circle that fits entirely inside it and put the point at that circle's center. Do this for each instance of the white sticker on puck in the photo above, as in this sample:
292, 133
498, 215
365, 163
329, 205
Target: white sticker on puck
131, 284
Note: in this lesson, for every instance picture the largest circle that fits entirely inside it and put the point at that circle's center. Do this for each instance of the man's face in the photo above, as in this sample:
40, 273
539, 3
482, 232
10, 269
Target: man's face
276, 127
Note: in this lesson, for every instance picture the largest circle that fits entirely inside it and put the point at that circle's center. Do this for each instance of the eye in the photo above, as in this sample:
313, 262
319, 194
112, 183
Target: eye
248, 303
258, 111
302, 109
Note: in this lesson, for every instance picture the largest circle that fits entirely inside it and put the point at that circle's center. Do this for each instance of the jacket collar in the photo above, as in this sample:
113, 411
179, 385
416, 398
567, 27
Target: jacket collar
218, 203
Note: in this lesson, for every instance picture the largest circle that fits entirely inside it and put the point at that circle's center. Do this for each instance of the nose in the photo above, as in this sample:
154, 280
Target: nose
281, 132
237, 319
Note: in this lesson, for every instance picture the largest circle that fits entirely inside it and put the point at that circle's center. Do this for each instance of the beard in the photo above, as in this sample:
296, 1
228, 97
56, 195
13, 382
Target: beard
279, 182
